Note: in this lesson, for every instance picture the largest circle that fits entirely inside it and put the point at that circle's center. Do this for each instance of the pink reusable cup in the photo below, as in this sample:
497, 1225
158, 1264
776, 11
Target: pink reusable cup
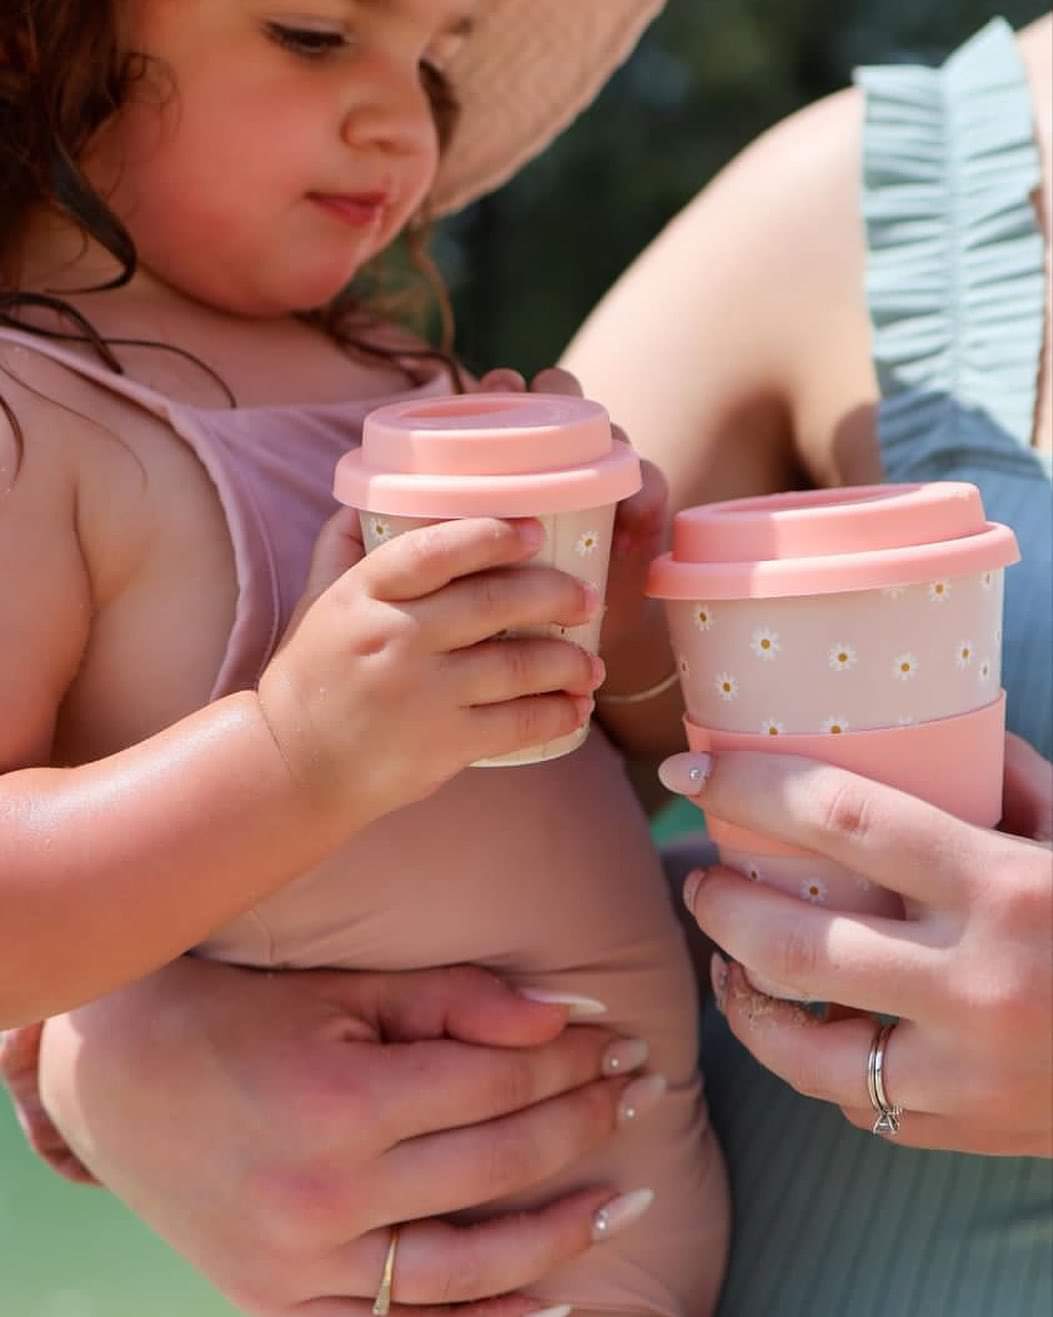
499, 455
857, 626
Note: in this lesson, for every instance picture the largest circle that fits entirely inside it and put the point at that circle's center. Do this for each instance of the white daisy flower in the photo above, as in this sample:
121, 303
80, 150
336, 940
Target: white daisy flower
587, 544
814, 890
683, 666
905, 720
842, 657
939, 592
983, 672
904, 667
894, 591
381, 529
765, 643
703, 617
964, 654
727, 686
835, 726
987, 580
771, 727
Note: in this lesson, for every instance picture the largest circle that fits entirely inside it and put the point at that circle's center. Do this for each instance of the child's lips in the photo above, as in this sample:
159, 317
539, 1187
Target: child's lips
360, 209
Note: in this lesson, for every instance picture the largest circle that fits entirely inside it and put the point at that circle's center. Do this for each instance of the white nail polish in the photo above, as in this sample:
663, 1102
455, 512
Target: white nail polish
581, 1008
564, 1310
620, 1213
640, 1097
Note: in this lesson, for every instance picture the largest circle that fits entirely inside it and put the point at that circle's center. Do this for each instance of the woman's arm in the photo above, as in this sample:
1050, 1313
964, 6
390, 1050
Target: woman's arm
969, 973
329, 1107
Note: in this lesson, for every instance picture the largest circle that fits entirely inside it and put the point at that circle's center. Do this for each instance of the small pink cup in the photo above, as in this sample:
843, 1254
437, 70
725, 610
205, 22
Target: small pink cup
857, 626
499, 455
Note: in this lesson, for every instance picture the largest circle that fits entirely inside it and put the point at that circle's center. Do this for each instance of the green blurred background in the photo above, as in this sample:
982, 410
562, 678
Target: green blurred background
525, 267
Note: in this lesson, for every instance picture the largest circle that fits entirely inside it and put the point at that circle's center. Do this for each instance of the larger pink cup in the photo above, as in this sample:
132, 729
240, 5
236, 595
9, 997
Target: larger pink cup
499, 455
857, 626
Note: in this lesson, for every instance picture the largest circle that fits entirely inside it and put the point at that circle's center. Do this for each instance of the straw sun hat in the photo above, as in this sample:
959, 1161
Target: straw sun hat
528, 69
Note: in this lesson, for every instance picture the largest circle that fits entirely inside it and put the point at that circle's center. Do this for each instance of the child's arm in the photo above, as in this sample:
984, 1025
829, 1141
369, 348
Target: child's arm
110, 869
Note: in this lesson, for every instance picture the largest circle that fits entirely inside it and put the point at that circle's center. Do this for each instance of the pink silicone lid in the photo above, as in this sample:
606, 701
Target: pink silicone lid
823, 541
487, 454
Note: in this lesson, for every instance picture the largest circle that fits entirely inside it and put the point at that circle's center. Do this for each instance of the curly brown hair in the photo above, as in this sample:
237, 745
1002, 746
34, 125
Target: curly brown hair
63, 74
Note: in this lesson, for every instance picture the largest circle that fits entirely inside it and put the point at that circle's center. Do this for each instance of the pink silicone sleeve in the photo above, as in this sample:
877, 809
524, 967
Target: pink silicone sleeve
956, 764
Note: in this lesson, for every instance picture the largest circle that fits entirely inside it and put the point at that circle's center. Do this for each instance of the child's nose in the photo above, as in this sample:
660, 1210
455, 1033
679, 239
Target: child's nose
393, 113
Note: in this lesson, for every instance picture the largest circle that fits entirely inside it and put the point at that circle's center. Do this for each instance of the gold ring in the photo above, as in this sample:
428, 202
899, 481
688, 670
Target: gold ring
382, 1303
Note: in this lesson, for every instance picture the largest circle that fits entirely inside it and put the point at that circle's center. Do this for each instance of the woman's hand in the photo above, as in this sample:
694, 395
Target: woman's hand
969, 972
273, 1128
640, 522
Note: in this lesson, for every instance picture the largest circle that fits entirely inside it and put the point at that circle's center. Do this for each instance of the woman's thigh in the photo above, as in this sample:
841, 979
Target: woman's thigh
829, 1220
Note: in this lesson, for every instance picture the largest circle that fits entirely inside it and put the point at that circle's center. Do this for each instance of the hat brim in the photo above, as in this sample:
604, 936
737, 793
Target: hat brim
528, 70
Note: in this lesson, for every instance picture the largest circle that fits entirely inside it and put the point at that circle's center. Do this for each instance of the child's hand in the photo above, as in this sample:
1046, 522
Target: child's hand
389, 680
639, 527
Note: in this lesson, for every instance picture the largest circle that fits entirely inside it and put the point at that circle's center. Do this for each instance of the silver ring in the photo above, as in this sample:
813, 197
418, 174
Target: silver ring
888, 1113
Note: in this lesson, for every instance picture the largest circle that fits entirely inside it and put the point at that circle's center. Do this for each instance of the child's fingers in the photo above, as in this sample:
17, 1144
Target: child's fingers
502, 380
481, 606
499, 670
502, 729
417, 564
556, 380
338, 548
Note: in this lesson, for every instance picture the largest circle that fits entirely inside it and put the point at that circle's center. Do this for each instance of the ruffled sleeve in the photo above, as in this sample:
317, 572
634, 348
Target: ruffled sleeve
956, 266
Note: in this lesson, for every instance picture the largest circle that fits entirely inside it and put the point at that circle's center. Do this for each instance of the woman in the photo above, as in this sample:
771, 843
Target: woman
778, 341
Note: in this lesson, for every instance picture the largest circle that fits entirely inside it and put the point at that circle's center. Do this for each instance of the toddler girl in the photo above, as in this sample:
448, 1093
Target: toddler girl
213, 737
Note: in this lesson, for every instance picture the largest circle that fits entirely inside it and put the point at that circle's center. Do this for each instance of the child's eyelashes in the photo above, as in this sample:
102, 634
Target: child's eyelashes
309, 42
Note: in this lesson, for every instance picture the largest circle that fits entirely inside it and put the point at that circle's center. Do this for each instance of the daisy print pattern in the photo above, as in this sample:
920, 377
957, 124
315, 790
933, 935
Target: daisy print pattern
765, 643
587, 544
894, 591
905, 667
814, 890
380, 528
703, 617
754, 874
984, 671
964, 654
727, 687
842, 658
939, 592
683, 666
835, 726
772, 727
987, 580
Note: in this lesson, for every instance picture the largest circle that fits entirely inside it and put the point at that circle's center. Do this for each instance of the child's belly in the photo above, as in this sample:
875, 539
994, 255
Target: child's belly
546, 874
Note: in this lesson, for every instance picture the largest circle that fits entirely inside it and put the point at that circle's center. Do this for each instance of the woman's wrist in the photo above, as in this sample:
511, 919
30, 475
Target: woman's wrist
640, 704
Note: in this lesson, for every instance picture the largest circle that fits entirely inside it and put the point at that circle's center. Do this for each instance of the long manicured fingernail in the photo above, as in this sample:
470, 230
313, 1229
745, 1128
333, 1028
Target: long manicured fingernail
625, 1056
691, 886
564, 1310
620, 1213
686, 774
580, 1008
642, 1096
718, 976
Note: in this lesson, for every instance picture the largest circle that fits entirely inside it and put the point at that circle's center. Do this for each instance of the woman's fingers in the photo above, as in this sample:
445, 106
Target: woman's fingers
458, 1169
894, 839
813, 953
468, 1086
499, 670
828, 1061
439, 1263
